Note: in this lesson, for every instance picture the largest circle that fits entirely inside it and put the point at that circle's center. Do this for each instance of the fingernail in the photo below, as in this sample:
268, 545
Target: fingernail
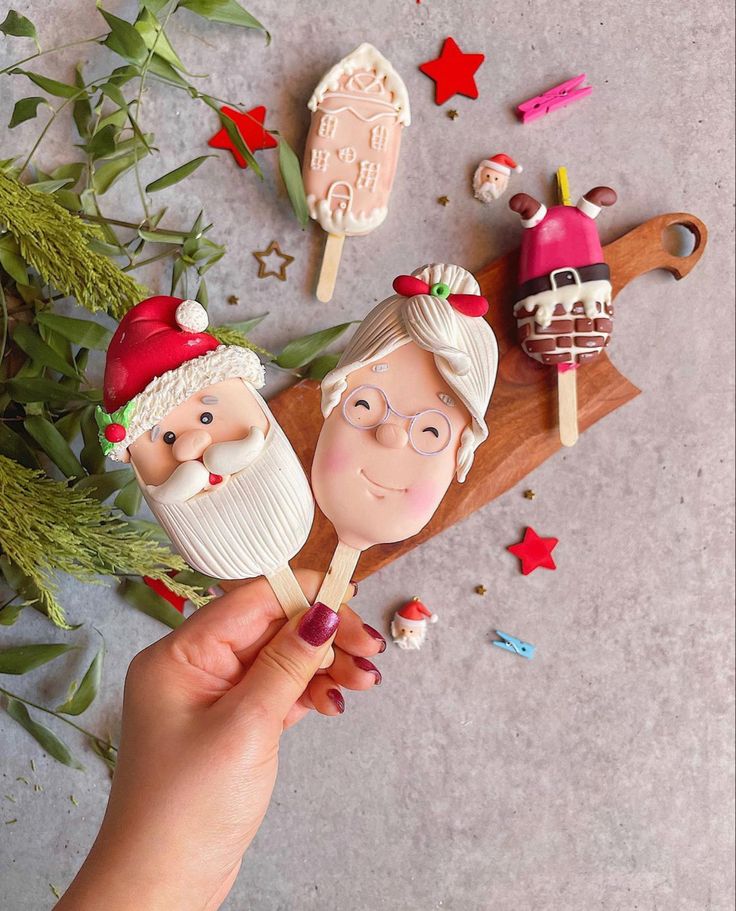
318, 624
365, 665
355, 587
374, 634
337, 700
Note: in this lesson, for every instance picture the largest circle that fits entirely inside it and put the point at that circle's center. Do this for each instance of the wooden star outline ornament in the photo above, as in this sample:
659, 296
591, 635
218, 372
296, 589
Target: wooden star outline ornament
263, 255
251, 129
453, 72
534, 551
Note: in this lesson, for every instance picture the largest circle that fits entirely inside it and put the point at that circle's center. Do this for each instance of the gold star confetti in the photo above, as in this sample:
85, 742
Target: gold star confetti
443, 200
480, 589
233, 299
452, 114
529, 494
262, 255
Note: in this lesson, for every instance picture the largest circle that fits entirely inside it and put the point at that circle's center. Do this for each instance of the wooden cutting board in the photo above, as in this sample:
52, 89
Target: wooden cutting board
522, 418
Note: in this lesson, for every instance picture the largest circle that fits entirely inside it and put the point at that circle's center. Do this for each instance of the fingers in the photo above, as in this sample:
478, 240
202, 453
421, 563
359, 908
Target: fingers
283, 668
324, 696
356, 637
354, 672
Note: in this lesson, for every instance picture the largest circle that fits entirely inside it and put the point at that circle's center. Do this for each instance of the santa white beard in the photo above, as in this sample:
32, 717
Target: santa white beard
252, 525
405, 639
488, 190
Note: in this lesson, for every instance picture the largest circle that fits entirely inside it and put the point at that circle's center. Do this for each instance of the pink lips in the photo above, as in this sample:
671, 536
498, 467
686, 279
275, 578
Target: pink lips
215, 479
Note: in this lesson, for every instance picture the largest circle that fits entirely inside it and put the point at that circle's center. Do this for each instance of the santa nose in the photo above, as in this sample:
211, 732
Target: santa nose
392, 436
190, 445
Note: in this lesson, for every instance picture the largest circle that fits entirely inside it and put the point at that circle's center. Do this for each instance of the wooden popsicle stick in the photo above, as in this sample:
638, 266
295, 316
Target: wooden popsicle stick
567, 402
335, 584
288, 591
330, 265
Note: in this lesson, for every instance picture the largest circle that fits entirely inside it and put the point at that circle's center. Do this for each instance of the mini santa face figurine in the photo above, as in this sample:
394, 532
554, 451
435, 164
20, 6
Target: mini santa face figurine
491, 177
405, 408
409, 626
213, 464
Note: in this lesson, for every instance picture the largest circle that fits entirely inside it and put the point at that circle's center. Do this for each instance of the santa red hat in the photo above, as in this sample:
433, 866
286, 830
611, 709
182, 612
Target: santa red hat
160, 355
415, 614
503, 163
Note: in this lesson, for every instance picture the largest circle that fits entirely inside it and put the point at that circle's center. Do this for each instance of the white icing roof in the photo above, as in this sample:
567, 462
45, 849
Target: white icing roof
365, 57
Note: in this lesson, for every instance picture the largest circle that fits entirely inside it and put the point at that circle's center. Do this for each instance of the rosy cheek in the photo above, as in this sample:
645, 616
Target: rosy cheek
423, 497
337, 459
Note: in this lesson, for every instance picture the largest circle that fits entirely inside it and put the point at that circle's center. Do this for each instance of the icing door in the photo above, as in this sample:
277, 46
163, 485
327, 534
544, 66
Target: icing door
340, 196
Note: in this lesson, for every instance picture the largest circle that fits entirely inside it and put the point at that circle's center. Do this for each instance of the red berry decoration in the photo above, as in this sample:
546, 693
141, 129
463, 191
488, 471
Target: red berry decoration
114, 433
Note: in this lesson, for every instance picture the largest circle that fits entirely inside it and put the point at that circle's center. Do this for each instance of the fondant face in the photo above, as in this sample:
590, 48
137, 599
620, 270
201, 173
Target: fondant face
387, 452
490, 183
223, 412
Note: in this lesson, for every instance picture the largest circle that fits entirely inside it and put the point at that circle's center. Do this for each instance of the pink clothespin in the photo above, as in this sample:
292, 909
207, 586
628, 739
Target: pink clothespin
553, 99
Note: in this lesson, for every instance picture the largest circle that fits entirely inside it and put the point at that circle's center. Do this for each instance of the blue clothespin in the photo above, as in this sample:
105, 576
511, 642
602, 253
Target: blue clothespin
512, 644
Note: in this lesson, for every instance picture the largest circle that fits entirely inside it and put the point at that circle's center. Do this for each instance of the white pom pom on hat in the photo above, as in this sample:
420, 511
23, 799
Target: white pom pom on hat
191, 316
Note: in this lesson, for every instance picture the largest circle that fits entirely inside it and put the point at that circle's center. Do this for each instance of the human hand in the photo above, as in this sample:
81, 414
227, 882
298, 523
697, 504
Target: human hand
203, 713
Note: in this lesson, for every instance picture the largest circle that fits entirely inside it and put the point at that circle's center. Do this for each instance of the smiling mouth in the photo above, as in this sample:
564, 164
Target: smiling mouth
382, 486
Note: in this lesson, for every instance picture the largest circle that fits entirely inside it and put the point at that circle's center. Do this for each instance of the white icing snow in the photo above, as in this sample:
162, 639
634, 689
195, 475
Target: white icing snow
339, 221
589, 294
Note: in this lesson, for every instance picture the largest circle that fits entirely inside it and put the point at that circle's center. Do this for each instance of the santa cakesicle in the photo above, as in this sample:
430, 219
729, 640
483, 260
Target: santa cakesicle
563, 303
404, 413
359, 110
213, 464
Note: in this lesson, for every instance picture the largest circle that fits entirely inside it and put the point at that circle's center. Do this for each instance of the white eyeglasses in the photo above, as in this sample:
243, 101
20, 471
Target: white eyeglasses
367, 407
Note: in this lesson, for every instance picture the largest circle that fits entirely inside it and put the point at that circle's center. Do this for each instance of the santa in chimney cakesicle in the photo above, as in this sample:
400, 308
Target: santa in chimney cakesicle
563, 302
359, 110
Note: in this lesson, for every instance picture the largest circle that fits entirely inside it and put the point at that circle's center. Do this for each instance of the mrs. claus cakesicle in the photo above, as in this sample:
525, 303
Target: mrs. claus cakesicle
404, 413
212, 462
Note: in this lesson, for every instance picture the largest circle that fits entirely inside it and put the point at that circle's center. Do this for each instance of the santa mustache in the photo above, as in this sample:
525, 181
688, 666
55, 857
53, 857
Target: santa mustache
190, 478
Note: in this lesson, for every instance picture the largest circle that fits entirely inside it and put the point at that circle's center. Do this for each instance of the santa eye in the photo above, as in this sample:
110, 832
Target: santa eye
206, 417
169, 437
432, 430
363, 403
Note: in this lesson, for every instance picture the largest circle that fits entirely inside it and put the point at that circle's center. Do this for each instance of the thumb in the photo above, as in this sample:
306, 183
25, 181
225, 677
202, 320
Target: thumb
285, 665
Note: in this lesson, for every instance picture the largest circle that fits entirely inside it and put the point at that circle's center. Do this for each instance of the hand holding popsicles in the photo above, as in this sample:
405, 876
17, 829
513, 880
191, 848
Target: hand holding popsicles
359, 110
563, 302
404, 412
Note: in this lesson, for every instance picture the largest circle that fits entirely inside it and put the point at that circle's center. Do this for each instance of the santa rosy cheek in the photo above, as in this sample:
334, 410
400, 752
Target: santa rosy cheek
424, 497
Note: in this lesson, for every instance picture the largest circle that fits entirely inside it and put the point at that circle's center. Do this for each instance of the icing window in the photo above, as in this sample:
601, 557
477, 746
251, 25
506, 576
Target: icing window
347, 153
319, 160
367, 82
379, 138
368, 175
327, 126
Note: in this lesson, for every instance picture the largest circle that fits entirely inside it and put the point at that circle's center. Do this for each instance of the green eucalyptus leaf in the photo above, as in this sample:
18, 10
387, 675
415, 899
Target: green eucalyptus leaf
92, 457
228, 11
20, 659
321, 366
164, 70
50, 186
72, 171
19, 581
303, 350
102, 143
291, 174
148, 602
27, 340
87, 690
112, 91
129, 498
173, 177
116, 118
69, 424
14, 447
176, 238
11, 259
104, 485
25, 109
43, 735
150, 29
18, 26
54, 445
82, 332
51, 86
123, 38
82, 109
106, 175
247, 325
36, 389
10, 613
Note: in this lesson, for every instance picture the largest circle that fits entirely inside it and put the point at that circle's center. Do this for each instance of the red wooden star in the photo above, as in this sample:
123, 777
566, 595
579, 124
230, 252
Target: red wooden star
453, 72
250, 127
534, 551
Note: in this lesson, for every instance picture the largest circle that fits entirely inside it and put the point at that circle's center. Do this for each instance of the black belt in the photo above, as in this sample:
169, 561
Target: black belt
562, 277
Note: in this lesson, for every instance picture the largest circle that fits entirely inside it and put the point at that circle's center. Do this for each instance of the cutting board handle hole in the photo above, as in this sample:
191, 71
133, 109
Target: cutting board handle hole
681, 239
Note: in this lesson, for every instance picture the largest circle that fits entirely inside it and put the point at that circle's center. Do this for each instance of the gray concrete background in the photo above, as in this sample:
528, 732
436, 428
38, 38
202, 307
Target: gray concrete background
598, 775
